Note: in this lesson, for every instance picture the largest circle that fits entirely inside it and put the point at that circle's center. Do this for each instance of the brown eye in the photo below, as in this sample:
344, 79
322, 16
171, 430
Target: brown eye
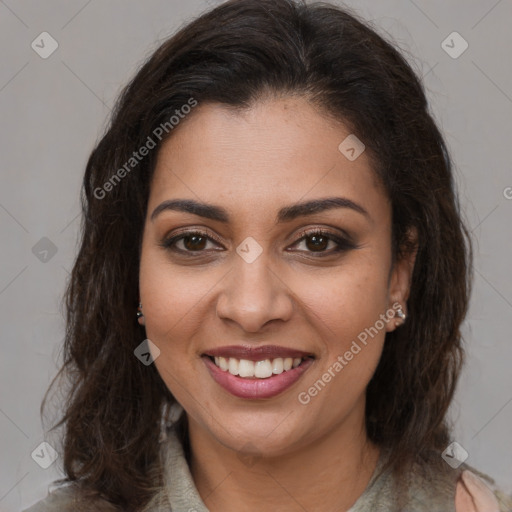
194, 242
191, 242
317, 242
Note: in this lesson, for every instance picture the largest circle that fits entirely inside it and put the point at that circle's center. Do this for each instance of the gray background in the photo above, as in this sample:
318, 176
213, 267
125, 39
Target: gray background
53, 110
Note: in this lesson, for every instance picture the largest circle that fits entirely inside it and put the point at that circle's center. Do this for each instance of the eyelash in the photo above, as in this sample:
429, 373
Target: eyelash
343, 244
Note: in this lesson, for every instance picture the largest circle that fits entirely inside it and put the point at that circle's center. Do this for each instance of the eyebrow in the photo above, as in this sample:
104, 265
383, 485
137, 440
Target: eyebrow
286, 214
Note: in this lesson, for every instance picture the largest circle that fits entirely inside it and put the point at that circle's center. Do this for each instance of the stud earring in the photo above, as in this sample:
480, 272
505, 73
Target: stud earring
401, 315
139, 311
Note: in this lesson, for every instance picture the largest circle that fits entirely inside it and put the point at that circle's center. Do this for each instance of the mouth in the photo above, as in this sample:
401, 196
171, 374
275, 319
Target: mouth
262, 369
256, 372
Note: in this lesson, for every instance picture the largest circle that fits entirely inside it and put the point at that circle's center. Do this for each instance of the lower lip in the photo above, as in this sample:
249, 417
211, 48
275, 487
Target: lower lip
256, 388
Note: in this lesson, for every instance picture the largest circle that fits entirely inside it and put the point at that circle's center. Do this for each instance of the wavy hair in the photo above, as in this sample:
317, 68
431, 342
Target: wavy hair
235, 55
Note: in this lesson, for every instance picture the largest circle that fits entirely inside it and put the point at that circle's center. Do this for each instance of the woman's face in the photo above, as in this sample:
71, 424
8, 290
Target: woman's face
257, 286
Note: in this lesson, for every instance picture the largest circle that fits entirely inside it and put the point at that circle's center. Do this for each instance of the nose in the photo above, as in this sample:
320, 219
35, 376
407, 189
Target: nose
253, 295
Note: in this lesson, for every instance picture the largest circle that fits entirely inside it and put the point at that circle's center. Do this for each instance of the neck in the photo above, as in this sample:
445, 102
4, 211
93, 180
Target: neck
331, 473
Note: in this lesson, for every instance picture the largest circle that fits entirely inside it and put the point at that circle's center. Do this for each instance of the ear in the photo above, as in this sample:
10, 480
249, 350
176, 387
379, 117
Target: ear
400, 280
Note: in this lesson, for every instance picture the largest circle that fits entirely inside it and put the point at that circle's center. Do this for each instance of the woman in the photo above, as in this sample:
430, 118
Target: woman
275, 197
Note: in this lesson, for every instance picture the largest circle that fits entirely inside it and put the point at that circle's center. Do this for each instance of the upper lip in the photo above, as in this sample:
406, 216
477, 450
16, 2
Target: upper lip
256, 353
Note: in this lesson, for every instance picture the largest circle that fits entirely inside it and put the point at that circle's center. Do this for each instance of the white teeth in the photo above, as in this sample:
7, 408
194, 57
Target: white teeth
233, 366
259, 369
263, 369
277, 366
246, 368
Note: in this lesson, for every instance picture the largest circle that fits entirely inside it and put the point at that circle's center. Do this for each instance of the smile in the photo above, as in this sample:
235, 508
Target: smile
256, 373
260, 369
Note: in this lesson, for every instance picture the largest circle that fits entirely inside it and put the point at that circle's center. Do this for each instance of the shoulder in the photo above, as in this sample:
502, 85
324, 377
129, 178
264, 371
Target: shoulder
69, 499
422, 488
474, 494
432, 487
462, 490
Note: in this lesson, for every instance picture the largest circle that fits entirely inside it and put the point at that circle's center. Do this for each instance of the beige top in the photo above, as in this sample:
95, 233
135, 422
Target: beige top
461, 491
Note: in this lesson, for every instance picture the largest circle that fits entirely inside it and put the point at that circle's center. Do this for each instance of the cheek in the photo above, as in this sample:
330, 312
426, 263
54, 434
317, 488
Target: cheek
176, 304
345, 308
345, 300
172, 302
171, 295
346, 317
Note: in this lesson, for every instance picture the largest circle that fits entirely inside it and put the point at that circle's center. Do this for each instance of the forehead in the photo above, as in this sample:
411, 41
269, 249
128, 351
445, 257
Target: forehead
280, 151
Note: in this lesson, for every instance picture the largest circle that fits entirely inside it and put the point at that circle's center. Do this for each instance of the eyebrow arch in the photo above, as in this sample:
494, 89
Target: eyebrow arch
286, 214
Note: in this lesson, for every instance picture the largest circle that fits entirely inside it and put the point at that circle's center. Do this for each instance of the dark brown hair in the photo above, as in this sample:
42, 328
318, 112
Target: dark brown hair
235, 55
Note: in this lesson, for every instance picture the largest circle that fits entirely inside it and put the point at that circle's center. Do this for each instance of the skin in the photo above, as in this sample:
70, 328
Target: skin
278, 453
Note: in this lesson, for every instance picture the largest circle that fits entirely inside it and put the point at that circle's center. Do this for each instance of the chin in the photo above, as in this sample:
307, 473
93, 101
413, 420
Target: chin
268, 435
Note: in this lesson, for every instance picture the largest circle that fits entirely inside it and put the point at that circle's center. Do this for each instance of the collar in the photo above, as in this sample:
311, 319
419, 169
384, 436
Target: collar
181, 490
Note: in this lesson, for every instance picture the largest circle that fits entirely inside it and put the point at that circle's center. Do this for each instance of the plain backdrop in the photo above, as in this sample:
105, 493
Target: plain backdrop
53, 110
